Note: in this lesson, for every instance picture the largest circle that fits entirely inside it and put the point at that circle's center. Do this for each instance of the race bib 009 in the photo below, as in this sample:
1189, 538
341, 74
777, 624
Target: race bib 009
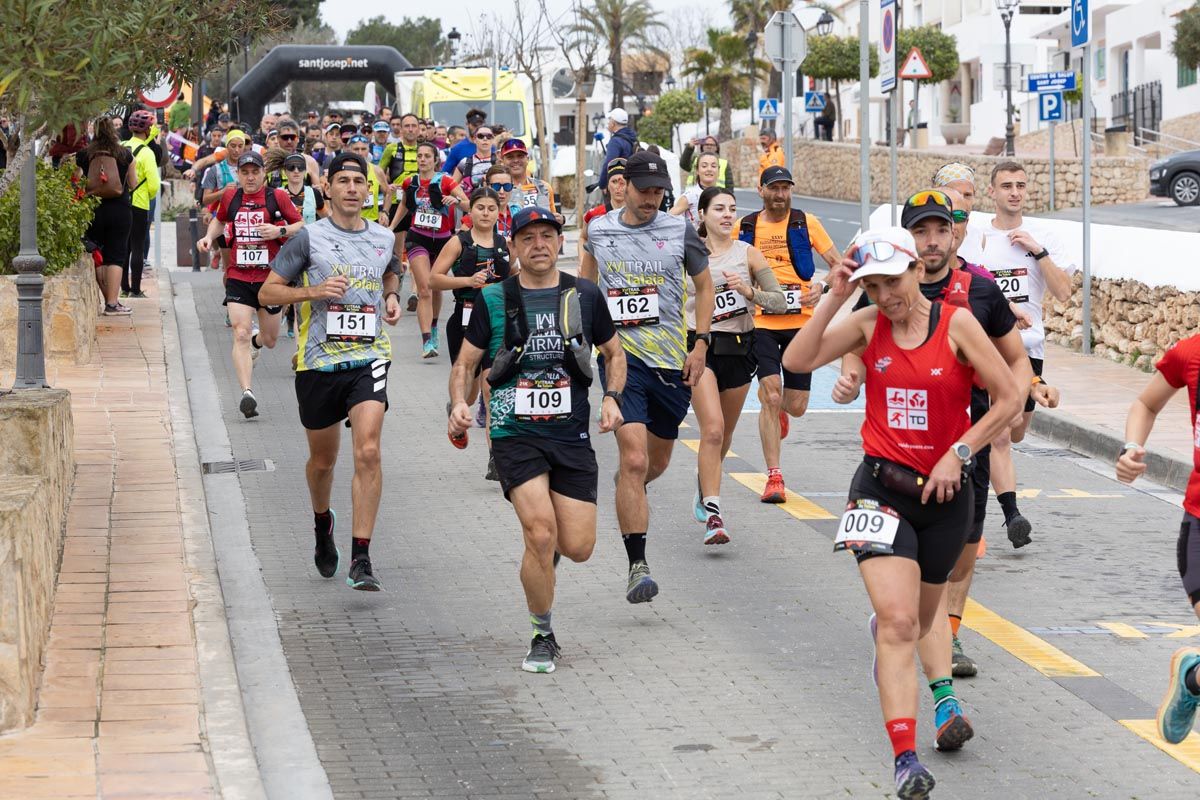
792, 292
349, 322
542, 400
252, 257
867, 527
633, 305
1013, 283
728, 304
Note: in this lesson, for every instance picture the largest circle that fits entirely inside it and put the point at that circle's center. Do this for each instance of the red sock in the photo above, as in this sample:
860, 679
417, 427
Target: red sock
903, 733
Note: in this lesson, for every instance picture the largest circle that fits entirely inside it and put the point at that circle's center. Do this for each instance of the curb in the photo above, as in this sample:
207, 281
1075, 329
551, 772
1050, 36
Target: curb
1102, 445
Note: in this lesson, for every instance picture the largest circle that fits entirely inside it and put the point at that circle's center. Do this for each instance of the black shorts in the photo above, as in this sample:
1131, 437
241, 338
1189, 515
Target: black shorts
245, 293
933, 535
656, 398
981, 476
455, 332
325, 398
571, 465
1030, 403
1188, 556
414, 242
733, 369
768, 349
110, 231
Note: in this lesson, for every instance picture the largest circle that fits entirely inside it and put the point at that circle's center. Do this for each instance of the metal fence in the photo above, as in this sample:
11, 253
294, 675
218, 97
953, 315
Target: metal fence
1140, 110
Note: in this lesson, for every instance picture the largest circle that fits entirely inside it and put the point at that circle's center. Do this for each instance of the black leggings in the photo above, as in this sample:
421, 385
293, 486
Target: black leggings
1187, 553
131, 278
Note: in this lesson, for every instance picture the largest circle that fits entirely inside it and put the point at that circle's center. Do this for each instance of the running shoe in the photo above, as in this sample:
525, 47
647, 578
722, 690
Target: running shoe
715, 534
913, 781
412, 303
785, 425
774, 491
116, 310
255, 352
291, 333
641, 588
491, 474
1018, 531
427, 349
873, 624
963, 665
361, 577
481, 415
327, 556
138, 295
698, 509
436, 338
249, 405
125, 293
953, 729
1177, 714
543, 650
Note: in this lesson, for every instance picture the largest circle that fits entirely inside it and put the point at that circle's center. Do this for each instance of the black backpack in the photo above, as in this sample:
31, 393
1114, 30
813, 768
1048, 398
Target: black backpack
468, 261
273, 212
577, 350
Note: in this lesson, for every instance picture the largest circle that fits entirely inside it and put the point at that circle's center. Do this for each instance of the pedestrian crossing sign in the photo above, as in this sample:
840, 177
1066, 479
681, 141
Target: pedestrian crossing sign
768, 108
814, 102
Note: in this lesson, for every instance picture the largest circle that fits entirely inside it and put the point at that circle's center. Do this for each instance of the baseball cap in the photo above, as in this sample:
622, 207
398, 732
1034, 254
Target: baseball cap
223, 117
533, 214
928, 204
647, 171
775, 175
346, 161
250, 157
296, 159
616, 167
513, 146
359, 138
619, 116
883, 251
381, 126
333, 126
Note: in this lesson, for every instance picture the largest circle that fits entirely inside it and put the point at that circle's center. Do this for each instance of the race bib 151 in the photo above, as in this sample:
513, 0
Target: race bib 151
349, 322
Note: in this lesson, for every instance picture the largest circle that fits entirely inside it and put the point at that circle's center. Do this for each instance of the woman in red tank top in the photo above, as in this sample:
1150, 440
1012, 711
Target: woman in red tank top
909, 507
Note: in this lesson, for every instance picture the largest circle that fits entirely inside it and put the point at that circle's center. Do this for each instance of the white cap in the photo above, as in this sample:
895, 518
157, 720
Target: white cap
898, 250
619, 116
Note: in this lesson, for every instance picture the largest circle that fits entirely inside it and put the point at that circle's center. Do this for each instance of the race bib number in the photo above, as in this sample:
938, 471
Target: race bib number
1013, 283
430, 220
529, 198
466, 314
542, 400
349, 322
792, 292
867, 527
728, 304
633, 305
252, 257
369, 202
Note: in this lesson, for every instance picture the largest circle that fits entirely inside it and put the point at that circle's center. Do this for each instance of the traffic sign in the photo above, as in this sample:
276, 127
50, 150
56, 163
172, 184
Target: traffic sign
700, 96
774, 38
768, 108
1080, 23
1050, 106
887, 45
915, 68
1050, 82
162, 95
814, 101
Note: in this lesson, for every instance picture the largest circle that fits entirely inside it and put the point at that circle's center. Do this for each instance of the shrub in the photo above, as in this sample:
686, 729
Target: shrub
63, 217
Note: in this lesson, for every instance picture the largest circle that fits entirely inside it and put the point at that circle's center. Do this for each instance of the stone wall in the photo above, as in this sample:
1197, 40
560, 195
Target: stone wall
1185, 127
37, 471
1131, 322
71, 304
1068, 141
831, 170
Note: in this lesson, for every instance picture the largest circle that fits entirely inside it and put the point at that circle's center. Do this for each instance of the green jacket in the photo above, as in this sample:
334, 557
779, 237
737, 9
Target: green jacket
147, 172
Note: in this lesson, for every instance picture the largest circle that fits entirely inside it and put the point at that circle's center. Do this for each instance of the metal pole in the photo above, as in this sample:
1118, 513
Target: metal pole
1087, 199
228, 85
892, 167
193, 224
29, 265
1009, 143
495, 58
789, 79
1052, 127
158, 204
864, 111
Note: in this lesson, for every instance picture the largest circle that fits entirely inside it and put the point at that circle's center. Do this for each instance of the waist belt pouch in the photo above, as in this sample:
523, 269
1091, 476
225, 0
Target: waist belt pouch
900, 478
732, 344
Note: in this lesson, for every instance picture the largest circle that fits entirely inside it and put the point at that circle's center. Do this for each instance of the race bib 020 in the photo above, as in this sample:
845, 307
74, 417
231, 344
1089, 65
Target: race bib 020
350, 322
252, 257
633, 305
792, 292
867, 527
728, 304
430, 220
1013, 283
542, 400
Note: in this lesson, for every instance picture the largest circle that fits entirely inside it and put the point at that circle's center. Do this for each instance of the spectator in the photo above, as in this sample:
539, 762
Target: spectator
463, 147
709, 144
772, 154
826, 120
622, 144
214, 114
113, 218
224, 122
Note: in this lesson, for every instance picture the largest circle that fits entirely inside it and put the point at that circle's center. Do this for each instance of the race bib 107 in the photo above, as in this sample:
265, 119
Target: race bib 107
252, 257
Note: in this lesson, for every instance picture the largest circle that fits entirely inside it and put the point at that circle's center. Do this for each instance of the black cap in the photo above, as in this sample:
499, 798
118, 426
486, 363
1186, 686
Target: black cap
647, 171
295, 158
250, 157
775, 175
346, 161
928, 208
616, 167
530, 215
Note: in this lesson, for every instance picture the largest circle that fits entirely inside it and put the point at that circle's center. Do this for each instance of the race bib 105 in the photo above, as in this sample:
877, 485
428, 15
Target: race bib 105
729, 303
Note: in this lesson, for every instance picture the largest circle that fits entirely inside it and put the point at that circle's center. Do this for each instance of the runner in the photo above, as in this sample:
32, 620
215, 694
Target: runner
259, 219
1179, 367
469, 172
426, 196
788, 237
772, 154
1024, 256
646, 255
708, 144
376, 205
742, 277
498, 181
527, 190
910, 502
707, 168
141, 125
540, 426
347, 274
379, 140
289, 140
614, 198
309, 201
399, 159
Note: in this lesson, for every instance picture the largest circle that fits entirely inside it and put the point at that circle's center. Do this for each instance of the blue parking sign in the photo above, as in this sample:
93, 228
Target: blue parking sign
1050, 106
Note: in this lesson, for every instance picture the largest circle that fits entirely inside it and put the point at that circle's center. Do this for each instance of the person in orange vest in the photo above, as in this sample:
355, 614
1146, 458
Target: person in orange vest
772, 155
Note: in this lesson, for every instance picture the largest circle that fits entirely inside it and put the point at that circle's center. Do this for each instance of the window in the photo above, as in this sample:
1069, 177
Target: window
1185, 75
1101, 63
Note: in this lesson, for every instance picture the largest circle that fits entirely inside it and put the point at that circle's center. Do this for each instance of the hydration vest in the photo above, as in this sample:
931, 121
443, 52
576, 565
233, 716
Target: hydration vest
576, 347
468, 261
798, 245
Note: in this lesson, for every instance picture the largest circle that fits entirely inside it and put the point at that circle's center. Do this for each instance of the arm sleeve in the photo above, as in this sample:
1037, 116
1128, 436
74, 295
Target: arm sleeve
817, 235
695, 254
479, 329
292, 258
603, 329
318, 195
767, 292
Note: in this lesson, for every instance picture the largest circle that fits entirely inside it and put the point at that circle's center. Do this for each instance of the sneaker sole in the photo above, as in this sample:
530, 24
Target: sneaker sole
1018, 532
916, 787
964, 669
773, 498
248, 407
958, 731
540, 669
412, 303
644, 592
720, 537
1173, 688
363, 586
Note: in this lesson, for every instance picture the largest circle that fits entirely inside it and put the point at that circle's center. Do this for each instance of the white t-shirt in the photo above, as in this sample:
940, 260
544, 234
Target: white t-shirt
1018, 275
692, 195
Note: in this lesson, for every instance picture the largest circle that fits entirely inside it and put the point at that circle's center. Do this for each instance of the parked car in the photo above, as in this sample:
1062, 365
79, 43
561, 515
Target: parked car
1177, 177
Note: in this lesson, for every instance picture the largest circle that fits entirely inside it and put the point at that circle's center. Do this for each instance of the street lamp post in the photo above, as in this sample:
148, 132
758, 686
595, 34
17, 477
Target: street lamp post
455, 39
1007, 8
751, 49
29, 265
671, 88
825, 24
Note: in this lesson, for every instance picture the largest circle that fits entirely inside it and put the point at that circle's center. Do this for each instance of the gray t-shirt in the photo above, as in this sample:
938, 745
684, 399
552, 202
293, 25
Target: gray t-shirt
350, 329
217, 176
641, 273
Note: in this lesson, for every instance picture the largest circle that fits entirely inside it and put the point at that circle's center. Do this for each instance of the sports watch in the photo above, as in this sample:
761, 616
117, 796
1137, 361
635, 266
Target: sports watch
620, 398
962, 451
282, 232
1041, 255
704, 337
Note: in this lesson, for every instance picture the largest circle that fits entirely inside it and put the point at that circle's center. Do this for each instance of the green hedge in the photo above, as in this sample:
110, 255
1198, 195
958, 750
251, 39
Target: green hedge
62, 219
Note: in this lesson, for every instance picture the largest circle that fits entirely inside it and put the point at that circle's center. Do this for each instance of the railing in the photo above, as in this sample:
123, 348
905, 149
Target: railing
1139, 109
1168, 142
1098, 139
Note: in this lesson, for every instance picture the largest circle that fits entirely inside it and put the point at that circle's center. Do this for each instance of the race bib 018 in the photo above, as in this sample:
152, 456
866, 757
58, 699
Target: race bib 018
430, 220
542, 400
252, 257
1013, 283
633, 305
792, 292
867, 527
728, 304
349, 322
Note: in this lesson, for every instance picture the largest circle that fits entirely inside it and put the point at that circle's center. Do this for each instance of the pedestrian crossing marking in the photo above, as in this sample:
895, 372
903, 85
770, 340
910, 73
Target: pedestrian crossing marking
1123, 630
1034, 651
694, 446
1186, 752
798, 506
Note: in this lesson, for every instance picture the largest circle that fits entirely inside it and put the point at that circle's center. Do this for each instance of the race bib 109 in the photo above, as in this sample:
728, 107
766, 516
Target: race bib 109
729, 303
349, 322
542, 400
1013, 283
867, 527
633, 305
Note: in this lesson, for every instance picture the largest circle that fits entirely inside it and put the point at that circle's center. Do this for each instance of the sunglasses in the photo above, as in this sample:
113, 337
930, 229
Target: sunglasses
880, 251
484, 136
502, 187
931, 196
294, 168
960, 216
289, 137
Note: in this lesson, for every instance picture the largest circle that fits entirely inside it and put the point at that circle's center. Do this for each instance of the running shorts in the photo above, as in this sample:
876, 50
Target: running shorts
416, 244
571, 465
768, 349
732, 371
1030, 403
245, 293
325, 398
1188, 556
656, 398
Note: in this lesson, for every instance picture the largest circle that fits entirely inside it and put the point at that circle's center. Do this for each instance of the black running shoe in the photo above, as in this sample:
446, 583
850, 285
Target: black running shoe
327, 556
543, 650
248, 405
492, 475
412, 303
1019, 529
360, 576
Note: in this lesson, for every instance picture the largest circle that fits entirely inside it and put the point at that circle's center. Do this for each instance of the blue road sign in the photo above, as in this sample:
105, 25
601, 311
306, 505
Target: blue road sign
1050, 82
700, 97
768, 108
1080, 23
814, 101
1050, 106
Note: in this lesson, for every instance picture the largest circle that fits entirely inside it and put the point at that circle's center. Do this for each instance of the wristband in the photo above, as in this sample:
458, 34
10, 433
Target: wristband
1043, 254
1126, 448
1037, 379
389, 294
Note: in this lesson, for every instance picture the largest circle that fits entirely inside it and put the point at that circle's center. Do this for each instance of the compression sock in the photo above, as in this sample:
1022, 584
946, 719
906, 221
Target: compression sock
903, 733
712, 505
955, 622
541, 623
359, 547
425, 338
1008, 503
323, 521
941, 688
635, 546
1191, 679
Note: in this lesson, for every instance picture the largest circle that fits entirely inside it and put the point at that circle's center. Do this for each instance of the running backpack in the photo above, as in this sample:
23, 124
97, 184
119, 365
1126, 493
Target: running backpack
104, 178
235, 205
577, 350
436, 198
468, 260
798, 245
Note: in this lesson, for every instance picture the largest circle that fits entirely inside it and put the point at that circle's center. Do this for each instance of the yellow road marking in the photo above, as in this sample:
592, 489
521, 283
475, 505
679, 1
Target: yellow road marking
694, 446
1123, 630
1181, 631
1186, 752
1034, 651
796, 505
1079, 494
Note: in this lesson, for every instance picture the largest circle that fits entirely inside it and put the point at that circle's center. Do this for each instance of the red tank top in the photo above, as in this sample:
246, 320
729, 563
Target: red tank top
917, 400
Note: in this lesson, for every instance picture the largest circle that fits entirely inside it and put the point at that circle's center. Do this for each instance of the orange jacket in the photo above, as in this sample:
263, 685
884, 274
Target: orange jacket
772, 157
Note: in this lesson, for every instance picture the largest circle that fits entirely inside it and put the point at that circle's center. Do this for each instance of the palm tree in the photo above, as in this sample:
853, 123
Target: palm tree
617, 25
752, 15
721, 70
